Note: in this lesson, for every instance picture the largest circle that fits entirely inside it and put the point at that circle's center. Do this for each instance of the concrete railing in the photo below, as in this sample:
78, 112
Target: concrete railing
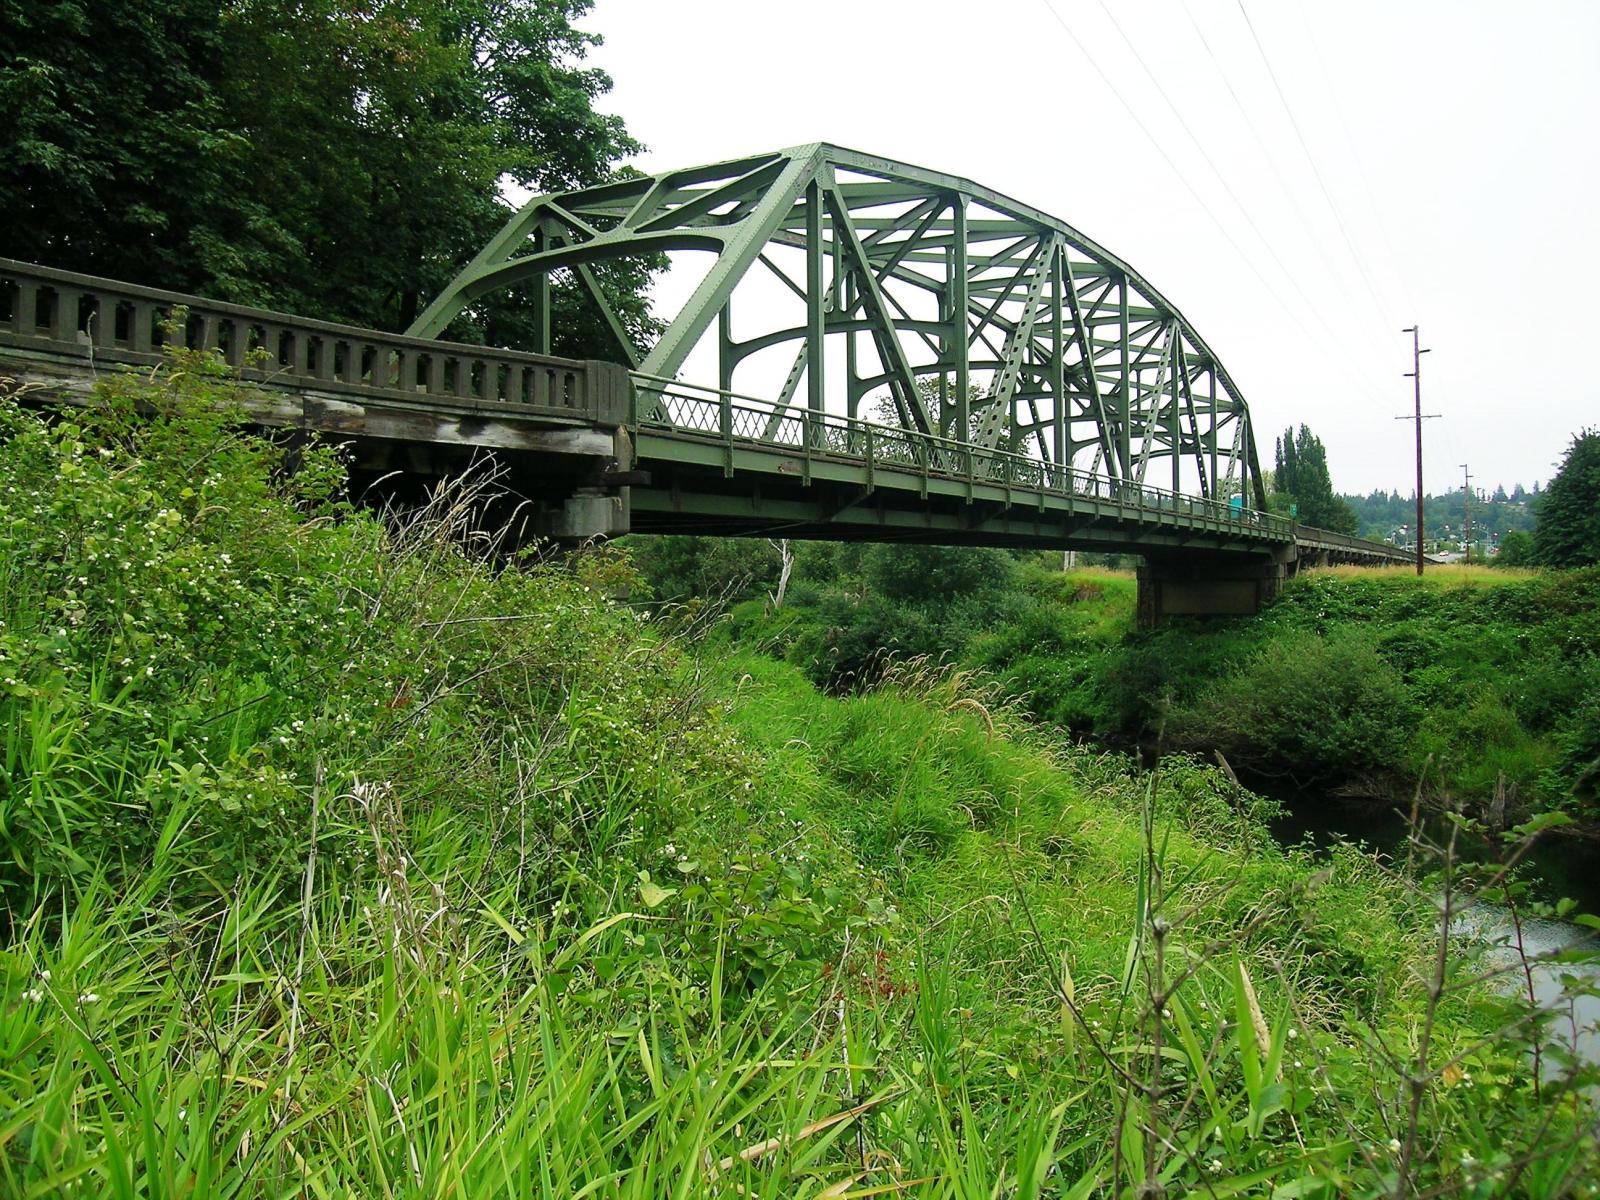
59, 315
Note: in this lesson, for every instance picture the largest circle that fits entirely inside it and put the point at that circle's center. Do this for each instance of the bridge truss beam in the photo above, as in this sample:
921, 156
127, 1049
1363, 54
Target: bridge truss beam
949, 310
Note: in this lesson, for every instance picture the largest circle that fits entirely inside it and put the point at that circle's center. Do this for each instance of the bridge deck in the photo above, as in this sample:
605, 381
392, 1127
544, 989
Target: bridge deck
715, 462
732, 463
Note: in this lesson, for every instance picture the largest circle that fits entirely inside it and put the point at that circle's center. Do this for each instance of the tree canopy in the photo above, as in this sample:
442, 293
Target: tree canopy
337, 158
1301, 481
1516, 550
1568, 530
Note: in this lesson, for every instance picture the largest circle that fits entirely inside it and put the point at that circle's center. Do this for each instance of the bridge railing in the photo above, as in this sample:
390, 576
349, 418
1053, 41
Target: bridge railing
1311, 537
733, 419
58, 314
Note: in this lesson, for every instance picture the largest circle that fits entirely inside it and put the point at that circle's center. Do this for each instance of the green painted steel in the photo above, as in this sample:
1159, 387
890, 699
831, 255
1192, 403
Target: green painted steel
973, 370
962, 314
732, 470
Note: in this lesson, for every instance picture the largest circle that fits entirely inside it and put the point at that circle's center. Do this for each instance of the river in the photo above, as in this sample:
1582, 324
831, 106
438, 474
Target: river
1560, 867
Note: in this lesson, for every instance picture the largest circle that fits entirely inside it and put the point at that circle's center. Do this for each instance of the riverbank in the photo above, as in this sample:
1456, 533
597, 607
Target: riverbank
1481, 687
339, 860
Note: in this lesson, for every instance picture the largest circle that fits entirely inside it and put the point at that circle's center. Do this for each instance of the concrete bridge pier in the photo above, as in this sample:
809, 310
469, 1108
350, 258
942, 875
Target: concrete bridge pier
1192, 583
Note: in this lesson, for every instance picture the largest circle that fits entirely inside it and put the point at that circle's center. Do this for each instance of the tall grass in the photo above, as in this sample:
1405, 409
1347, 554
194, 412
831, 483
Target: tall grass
1440, 575
406, 871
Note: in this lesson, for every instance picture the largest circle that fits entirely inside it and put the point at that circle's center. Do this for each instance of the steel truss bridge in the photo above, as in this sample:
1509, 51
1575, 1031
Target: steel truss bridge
873, 351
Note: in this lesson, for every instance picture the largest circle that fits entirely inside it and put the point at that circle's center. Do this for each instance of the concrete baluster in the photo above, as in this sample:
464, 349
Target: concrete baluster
327, 357
103, 327
64, 320
25, 308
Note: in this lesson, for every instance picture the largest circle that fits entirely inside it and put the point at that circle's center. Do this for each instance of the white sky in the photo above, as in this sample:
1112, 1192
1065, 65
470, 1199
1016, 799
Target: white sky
1458, 141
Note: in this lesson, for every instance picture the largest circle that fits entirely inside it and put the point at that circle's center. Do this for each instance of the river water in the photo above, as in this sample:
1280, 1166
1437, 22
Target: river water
1560, 867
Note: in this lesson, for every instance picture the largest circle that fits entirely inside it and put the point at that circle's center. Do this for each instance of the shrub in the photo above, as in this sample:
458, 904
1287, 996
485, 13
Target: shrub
195, 640
680, 568
1141, 679
1308, 707
1572, 782
1516, 550
851, 640
1476, 739
935, 574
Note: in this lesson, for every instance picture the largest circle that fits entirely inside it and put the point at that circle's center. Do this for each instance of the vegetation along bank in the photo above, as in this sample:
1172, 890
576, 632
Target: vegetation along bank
1482, 686
340, 858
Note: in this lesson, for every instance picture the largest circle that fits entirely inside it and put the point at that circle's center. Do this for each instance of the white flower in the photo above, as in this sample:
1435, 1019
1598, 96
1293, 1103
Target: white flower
1394, 1145
33, 995
1293, 1032
45, 974
1215, 1166
88, 998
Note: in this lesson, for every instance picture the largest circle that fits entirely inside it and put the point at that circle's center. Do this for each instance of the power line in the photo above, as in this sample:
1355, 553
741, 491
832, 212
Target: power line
1184, 179
1355, 155
1271, 160
1306, 150
1215, 170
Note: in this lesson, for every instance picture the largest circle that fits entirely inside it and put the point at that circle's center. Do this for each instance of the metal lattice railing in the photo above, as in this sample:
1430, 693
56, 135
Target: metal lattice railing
691, 410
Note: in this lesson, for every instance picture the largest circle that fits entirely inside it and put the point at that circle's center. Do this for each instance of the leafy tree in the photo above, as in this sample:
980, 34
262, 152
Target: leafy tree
340, 160
939, 398
1516, 549
935, 574
114, 149
681, 567
1301, 479
1568, 530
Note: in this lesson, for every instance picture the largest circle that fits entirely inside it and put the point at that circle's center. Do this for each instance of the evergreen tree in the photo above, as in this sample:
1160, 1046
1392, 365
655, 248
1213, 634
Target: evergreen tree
1568, 529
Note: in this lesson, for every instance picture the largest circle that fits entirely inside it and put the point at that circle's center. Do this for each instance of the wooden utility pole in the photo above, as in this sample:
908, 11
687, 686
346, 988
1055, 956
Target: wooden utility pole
1416, 374
1466, 499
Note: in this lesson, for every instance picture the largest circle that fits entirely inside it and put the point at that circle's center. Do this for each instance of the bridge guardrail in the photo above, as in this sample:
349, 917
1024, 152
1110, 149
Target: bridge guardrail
1342, 543
64, 314
732, 419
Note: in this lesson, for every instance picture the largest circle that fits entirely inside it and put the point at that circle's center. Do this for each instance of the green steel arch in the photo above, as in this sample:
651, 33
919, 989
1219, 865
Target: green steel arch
945, 306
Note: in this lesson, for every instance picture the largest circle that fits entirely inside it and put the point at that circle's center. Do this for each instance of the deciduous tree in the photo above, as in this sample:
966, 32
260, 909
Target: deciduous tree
1301, 479
338, 158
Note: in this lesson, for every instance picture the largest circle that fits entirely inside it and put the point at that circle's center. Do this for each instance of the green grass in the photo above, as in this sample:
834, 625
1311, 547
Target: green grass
340, 859
1477, 681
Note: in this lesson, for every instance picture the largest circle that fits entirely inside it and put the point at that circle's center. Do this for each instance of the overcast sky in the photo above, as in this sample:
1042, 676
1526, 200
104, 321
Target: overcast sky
1426, 162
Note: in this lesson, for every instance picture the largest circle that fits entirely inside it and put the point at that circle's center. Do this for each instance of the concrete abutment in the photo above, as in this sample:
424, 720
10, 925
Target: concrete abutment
1197, 584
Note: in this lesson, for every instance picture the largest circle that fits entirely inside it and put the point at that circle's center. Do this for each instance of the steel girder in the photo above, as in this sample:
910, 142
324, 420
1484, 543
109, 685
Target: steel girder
961, 312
